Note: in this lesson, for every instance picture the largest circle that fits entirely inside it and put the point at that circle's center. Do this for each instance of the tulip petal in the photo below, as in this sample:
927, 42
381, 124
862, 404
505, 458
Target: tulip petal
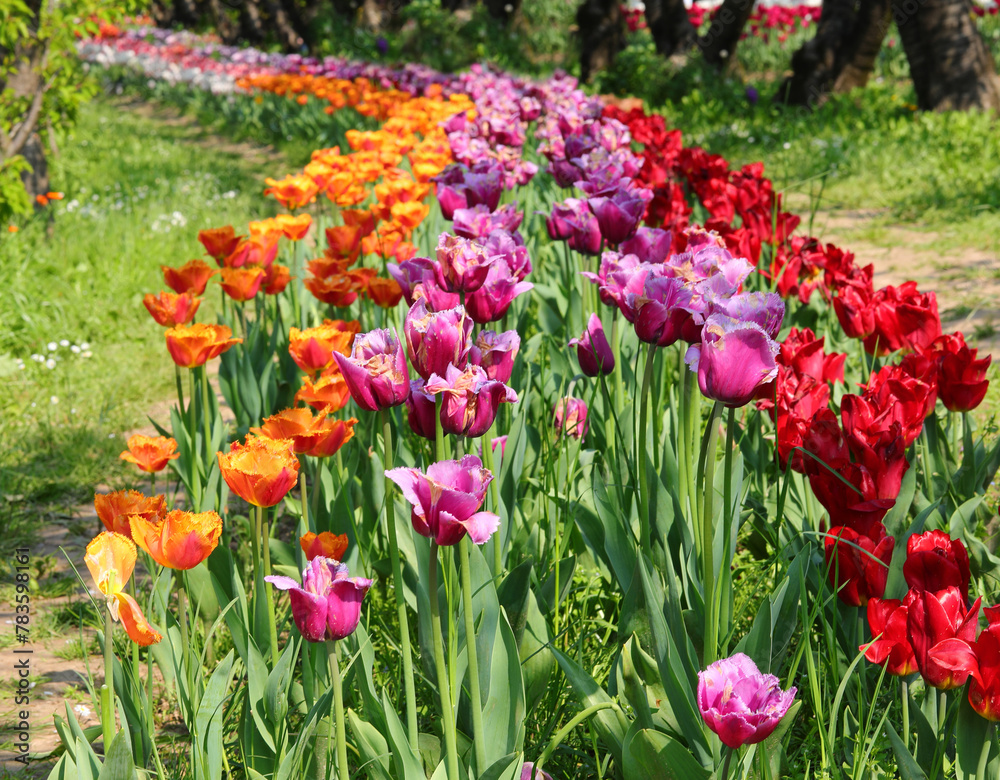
134, 622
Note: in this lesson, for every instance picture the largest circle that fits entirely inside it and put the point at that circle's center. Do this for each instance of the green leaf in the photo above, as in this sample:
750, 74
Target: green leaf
908, 769
652, 755
610, 724
208, 724
972, 737
118, 762
505, 768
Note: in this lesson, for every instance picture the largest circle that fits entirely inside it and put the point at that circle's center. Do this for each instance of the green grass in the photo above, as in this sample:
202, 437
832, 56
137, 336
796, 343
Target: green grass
136, 193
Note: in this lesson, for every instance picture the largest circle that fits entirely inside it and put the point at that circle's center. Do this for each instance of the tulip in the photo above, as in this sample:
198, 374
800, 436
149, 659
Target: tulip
593, 350
491, 301
344, 241
276, 279
436, 339
219, 242
495, 353
619, 215
418, 279
528, 772
327, 394
325, 544
150, 453
462, 264
890, 647
477, 222
180, 540
293, 228
734, 359
962, 382
941, 631
194, 345
340, 290
471, 399
320, 436
260, 471
256, 252
421, 412
650, 245
585, 231
935, 561
328, 604
765, 309
446, 500
169, 309
858, 564
312, 349
657, 305
904, 319
984, 688
569, 416
192, 277
739, 703
111, 560
385, 293
114, 509
375, 371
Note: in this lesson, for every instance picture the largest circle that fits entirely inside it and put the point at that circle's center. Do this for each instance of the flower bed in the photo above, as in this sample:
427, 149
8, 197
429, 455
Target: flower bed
738, 582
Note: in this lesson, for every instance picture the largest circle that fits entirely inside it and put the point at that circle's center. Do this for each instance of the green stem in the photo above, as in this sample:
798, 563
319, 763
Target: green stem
644, 525
487, 445
725, 766
727, 509
577, 719
333, 652
180, 389
905, 696
479, 733
305, 499
444, 689
683, 455
108, 689
268, 592
207, 415
397, 582
984, 757
708, 536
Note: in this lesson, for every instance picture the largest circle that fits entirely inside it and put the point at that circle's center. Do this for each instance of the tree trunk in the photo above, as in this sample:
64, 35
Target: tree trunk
870, 28
224, 24
251, 24
602, 35
950, 65
818, 62
36, 181
670, 26
718, 44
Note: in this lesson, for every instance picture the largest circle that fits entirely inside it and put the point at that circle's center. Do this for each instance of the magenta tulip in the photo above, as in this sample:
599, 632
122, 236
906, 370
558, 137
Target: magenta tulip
593, 350
446, 500
421, 411
619, 215
650, 245
495, 353
528, 772
375, 371
436, 339
327, 606
733, 360
470, 399
491, 301
569, 416
659, 308
765, 309
478, 221
739, 703
462, 264
418, 279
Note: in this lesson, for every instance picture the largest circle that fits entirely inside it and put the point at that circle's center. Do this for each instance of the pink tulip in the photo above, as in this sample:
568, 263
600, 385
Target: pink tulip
436, 339
446, 500
375, 371
328, 604
569, 416
470, 399
733, 360
495, 353
462, 264
491, 301
418, 279
421, 410
593, 350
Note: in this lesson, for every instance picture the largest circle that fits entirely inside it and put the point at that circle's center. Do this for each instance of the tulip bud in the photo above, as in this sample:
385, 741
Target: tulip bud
593, 350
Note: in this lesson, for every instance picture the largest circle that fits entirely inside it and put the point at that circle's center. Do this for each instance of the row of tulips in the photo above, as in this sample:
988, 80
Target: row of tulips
646, 506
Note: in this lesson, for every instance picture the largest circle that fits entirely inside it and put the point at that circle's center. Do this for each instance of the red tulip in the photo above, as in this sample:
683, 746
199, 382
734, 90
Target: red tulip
984, 688
941, 632
935, 561
962, 382
890, 646
858, 563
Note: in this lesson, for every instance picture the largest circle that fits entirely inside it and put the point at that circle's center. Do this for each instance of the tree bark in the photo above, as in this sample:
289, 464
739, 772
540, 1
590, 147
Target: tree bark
36, 181
670, 26
871, 25
602, 35
718, 44
818, 62
950, 65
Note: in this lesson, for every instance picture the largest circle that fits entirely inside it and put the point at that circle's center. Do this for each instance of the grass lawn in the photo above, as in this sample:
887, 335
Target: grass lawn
137, 191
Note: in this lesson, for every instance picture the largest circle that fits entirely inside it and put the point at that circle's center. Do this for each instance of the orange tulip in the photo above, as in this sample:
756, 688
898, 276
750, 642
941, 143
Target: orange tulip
334, 435
12, 228
191, 277
242, 284
171, 309
385, 292
312, 349
180, 540
150, 453
293, 228
295, 425
409, 214
339, 290
329, 393
258, 251
54, 195
325, 544
276, 279
114, 509
404, 251
360, 219
292, 192
41, 200
111, 560
344, 241
325, 266
219, 242
261, 471
191, 346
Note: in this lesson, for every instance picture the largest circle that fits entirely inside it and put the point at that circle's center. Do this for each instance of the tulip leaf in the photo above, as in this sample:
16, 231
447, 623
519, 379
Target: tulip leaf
546, 594
908, 769
207, 736
537, 663
506, 768
256, 683
118, 763
896, 517
291, 766
653, 755
618, 543
404, 755
372, 747
963, 519
276, 688
513, 596
972, 741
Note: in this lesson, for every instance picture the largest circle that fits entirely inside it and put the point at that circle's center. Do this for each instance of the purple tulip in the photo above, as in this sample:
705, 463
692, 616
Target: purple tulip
558, 223
733, 360
765, 309
528, 772
490, 302
447, 498
609, 290
462, 264
659, 309
328, 604
510, 248
450, 189
739, 703
565, 172
569, 416
651, 245
375, 371
585, 236
593, 350
479, 222
619, 215
470, 399
495, 353
436, 339
418, 279
421, 411
484, 184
